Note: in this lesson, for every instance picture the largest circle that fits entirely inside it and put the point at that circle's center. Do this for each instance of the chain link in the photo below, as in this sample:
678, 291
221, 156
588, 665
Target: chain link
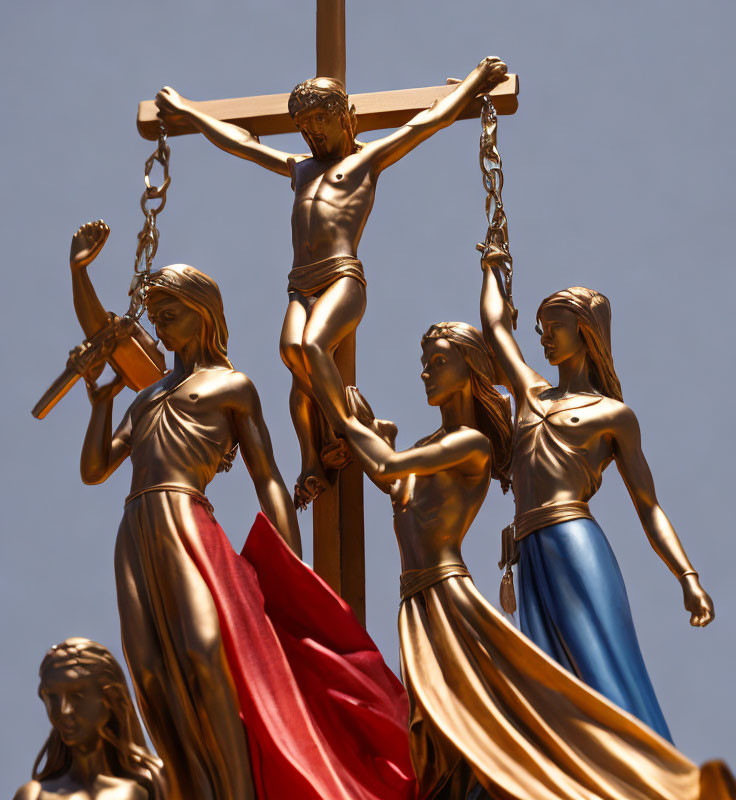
497, 236
149, 235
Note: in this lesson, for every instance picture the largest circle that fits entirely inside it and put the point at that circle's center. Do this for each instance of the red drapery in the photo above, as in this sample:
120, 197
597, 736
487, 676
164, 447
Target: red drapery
326, 718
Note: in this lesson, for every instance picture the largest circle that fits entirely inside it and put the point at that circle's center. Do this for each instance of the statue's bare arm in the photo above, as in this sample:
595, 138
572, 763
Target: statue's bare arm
103, 452
468, 450
637, 476
384, 152
230, 138
257, 452
86, 245
495, 315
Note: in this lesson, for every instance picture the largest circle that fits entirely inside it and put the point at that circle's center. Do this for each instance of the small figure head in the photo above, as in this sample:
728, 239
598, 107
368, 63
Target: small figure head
322, 113
454, 357
88, 703
577, 321
184, 305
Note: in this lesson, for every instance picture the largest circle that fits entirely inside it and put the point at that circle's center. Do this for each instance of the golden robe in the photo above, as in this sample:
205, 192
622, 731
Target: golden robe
489, 709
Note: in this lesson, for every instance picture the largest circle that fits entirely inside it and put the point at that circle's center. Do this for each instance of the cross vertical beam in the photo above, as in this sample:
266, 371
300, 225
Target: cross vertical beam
331, 39
339, 533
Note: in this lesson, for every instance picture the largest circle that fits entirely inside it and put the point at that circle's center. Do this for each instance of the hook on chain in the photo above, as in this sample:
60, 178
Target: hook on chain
497, 235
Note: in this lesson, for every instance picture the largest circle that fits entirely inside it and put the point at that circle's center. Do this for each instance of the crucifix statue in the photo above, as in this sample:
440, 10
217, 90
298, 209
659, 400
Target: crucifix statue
334, 188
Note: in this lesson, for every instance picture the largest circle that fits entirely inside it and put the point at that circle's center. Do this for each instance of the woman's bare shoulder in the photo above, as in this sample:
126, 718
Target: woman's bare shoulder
29, 791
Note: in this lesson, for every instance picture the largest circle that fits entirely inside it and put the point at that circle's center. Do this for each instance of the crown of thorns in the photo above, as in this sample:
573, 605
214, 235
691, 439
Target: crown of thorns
318, 93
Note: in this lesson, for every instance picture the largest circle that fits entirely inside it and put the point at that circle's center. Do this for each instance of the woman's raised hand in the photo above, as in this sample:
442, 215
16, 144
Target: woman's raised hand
105, 393
87, 243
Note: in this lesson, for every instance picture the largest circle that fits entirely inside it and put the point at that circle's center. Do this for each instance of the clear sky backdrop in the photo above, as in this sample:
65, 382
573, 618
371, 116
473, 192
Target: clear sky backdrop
619, 177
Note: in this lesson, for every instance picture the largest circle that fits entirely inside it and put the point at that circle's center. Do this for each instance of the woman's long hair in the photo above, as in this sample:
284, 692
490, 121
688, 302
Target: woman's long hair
594, 319
492, 409
200, 293
122, 736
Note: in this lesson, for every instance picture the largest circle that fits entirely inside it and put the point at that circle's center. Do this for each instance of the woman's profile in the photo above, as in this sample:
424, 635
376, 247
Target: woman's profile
96, 747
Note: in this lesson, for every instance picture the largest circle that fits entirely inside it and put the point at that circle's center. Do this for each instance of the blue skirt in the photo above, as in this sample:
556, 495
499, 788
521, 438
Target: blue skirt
573, 604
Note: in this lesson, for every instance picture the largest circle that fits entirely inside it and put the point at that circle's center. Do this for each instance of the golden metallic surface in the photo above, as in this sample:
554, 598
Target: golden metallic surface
267, 115
331, 39
178, 434
567, 435
121, 341
334, 189
489, 710
96, 748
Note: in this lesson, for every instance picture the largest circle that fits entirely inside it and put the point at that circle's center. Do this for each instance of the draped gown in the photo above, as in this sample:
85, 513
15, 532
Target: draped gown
492, 716
209, 634
572, 599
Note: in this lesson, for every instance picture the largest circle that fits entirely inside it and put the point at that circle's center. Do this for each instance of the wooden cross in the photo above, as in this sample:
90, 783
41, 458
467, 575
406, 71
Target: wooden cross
339, 554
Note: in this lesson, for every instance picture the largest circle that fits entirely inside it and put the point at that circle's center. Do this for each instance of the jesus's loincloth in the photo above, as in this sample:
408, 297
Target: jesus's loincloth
311, 279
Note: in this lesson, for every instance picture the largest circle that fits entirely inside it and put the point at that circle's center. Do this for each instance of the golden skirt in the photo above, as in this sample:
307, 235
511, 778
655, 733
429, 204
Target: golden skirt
489, 709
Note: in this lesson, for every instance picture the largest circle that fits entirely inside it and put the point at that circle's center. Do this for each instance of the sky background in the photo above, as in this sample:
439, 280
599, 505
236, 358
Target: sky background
619, 177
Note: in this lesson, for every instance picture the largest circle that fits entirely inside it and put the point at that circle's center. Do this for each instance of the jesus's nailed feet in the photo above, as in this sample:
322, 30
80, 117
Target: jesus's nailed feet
306, 490
336, 455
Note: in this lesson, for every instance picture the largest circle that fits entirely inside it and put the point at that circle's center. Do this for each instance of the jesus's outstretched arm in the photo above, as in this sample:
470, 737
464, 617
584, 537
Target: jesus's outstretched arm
384, 152
230, 138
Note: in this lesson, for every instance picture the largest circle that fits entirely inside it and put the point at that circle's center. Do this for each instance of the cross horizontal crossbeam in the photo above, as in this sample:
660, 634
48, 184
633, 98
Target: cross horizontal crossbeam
268, 114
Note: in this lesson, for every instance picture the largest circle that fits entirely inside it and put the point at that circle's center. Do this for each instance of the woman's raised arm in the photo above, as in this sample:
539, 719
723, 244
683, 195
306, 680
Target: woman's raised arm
495, 315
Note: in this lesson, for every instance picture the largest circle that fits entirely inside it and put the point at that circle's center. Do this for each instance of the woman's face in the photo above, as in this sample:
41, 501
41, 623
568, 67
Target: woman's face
75, 705
176, 324
444, 371
560, 334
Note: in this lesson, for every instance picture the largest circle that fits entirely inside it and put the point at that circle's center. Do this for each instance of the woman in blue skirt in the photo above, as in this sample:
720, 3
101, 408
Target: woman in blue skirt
573, 601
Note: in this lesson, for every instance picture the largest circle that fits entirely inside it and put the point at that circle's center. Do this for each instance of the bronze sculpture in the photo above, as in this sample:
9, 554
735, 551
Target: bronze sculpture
573, 600
334, 189
216, 641
96, 747
179, 433
492, 715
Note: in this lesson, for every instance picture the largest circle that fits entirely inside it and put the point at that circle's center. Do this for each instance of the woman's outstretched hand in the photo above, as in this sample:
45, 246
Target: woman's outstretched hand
697, 601
361, 410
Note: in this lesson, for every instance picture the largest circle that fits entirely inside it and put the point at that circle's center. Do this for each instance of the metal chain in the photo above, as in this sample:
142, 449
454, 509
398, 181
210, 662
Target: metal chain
149, 235
497, 236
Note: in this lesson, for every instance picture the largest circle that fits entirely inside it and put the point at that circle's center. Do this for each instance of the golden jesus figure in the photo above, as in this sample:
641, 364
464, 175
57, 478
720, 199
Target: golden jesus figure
334, 188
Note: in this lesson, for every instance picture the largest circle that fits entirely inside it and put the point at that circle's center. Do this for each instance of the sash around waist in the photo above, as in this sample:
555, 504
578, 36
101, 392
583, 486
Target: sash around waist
171, 487
544, 516
312, 278
414, 581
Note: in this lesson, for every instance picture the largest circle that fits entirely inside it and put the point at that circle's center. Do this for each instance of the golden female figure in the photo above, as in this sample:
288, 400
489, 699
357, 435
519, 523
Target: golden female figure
491, 715
573, 601
96, 748
178, 434
334, 189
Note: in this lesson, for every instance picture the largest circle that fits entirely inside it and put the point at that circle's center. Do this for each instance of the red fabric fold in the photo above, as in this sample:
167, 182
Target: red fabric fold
326, 718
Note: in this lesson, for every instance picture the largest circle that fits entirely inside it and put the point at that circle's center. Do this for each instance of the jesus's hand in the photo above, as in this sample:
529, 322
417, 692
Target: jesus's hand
495, 71
170, 102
